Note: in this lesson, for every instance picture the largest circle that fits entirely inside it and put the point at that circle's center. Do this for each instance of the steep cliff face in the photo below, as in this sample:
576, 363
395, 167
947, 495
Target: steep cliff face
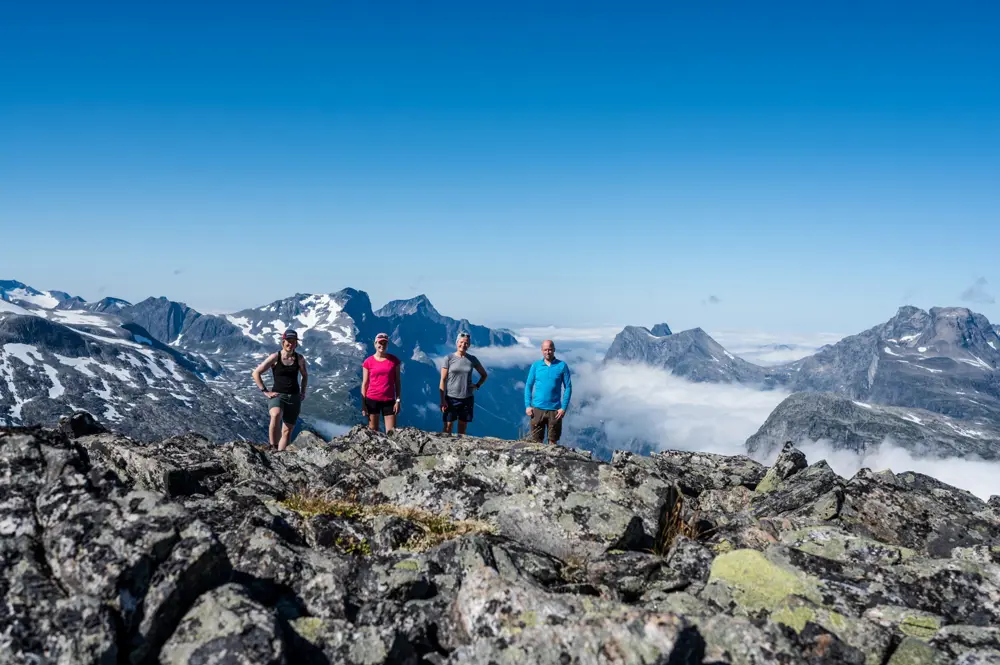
414, 548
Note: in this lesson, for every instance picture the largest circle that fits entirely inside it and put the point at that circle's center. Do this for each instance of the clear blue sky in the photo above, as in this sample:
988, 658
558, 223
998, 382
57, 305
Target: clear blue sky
811, 167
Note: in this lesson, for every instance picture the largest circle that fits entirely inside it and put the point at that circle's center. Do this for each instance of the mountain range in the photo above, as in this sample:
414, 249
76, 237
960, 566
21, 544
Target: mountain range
940, 363
59, 353
927, 380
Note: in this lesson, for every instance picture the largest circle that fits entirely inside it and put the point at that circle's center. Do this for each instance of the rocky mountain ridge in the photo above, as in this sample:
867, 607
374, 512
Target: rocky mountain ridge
337, 331
418, 549
862, 427
68, 360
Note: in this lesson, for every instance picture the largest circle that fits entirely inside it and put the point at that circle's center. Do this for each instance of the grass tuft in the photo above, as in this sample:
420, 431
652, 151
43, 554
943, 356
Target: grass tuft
434, 528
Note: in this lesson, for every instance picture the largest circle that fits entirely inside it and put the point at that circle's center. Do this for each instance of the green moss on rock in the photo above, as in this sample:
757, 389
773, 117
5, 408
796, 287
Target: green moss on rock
757, 583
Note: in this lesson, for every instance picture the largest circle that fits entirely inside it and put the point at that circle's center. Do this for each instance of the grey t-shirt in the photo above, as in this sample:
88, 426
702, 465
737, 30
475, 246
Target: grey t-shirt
460, 368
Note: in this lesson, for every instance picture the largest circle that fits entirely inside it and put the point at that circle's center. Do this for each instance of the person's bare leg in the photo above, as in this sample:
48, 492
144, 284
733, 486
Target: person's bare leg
447, 426
286, 432
390, 423
373, 421
461, 427
274, 430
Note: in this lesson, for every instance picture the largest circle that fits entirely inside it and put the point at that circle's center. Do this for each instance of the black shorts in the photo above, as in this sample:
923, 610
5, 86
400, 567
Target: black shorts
378, 406
459, 408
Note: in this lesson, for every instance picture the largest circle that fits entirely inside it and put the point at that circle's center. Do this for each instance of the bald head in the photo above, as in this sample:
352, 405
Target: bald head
548, 350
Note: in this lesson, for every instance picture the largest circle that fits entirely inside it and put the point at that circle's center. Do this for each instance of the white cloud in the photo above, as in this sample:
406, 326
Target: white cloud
650, 404
766, 349
597, 334
502, 356
327, 429
637, 403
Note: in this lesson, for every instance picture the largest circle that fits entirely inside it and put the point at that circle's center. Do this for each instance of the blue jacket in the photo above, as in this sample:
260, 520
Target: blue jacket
544, 385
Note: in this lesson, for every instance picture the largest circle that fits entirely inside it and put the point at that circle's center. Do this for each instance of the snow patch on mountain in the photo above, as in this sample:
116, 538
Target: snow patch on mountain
12, 308
41, 299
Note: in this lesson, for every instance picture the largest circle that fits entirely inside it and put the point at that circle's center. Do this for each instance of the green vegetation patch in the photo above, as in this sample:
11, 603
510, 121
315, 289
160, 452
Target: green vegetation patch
434, 528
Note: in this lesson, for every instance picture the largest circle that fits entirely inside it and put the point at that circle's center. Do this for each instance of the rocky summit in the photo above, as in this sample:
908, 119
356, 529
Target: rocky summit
415, 549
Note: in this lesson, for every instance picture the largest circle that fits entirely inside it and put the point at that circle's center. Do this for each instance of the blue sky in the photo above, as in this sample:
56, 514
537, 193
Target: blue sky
812, 168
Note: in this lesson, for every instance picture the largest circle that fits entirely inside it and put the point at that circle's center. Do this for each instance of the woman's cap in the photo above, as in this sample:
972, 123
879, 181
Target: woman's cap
379, 337
290, 335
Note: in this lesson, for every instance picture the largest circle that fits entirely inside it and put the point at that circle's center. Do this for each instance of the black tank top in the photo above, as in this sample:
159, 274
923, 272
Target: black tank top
286, 377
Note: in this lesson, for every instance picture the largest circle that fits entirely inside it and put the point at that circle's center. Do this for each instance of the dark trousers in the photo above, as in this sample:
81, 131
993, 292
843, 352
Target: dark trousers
541, 420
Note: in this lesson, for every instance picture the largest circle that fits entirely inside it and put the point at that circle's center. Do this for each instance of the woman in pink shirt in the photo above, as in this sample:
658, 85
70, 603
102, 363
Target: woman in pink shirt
380, 384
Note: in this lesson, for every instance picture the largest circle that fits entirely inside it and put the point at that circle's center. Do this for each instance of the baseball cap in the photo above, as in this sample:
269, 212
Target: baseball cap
381, 336
290, 335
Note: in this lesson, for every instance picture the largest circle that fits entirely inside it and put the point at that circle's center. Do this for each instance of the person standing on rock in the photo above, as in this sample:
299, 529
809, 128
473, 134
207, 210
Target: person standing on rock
380, 385
457, 389
284, 399
546, 394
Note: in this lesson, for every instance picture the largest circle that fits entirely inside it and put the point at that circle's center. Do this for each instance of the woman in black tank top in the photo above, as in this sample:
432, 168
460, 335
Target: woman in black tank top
284, 399
286, 377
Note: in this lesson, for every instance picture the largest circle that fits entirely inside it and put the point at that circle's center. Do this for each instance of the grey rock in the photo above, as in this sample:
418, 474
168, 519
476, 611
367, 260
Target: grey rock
226, 626
416, 548
80, 423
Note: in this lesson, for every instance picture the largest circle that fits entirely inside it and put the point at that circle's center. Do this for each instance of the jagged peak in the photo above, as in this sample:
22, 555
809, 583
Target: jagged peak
420, 304
660, 330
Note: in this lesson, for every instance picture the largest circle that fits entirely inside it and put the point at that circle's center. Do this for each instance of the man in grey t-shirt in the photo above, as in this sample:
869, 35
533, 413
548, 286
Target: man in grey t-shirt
457, 388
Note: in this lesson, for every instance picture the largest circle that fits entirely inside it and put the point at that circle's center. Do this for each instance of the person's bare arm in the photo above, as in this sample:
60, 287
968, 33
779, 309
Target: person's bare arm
260, 369
305, 377
364, 390
483, 374
399, 387
442, 387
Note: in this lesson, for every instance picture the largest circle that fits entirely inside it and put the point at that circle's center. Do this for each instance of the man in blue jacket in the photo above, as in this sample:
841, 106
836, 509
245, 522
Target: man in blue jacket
546, 394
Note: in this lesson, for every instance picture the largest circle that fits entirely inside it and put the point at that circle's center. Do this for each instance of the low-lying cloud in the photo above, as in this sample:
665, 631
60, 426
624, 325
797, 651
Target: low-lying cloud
636, 404
327, 429
503, 356
596, 334
768, 349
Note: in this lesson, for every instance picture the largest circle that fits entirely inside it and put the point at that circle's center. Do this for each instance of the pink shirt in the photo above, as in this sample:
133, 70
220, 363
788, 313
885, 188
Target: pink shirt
381, 377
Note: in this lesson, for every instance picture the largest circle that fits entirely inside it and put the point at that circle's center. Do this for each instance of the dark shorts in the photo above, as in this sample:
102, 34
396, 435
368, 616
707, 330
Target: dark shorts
290, 406
459, 409
541, 420
376, 406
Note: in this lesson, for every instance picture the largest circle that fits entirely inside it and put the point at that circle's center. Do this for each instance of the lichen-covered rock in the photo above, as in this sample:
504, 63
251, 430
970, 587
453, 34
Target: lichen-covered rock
323, 641
226, 626
419, 549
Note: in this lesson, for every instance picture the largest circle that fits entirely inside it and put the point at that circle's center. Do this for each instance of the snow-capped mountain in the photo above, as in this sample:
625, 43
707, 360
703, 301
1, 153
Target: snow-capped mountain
337, 332
54, 362
944, 361
23, 295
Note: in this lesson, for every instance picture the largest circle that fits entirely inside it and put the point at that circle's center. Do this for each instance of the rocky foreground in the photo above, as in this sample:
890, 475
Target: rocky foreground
413, 548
